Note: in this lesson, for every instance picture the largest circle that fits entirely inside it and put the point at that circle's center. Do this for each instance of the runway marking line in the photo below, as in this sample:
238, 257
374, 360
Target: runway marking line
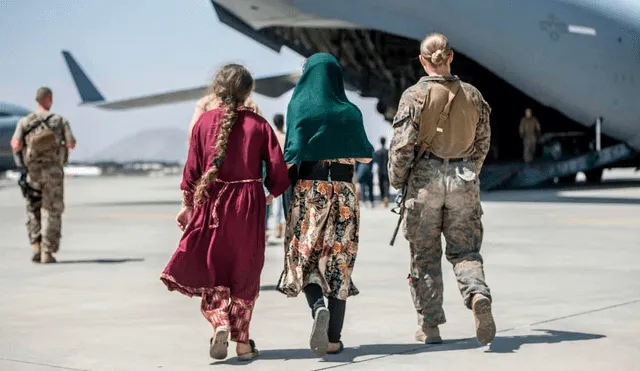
42, 364
617, 221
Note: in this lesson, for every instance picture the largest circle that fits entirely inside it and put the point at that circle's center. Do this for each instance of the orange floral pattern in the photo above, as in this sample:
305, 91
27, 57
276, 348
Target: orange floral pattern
321, 239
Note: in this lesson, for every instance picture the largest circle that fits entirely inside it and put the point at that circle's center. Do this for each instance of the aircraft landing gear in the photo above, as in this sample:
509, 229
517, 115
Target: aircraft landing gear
566, 179
594, 176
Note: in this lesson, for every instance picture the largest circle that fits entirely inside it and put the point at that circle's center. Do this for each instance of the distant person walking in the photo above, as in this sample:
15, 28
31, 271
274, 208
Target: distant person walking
41, 143
529, 133
221, 253
325, 138
382, 160
441, 138
364, 175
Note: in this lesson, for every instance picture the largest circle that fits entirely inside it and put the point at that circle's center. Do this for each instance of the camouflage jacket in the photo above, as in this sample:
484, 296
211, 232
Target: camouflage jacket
407, 122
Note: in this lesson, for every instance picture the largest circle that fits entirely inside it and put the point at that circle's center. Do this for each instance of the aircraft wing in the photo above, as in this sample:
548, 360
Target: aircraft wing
271, 86
175, 96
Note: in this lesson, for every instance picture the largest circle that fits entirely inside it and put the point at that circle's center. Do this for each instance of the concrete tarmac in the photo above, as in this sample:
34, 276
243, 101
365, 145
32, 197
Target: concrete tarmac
562, 264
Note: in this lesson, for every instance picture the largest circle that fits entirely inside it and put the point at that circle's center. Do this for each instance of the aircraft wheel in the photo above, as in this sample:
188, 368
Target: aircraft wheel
567, 179
594, 176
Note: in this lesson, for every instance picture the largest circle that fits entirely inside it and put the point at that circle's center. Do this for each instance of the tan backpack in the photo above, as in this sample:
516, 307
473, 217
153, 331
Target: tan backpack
41, 141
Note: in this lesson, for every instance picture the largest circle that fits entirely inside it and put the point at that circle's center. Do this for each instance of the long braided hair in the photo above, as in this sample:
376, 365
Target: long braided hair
232, 85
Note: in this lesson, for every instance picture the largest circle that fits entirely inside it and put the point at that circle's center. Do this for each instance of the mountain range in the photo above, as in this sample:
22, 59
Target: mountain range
164, 144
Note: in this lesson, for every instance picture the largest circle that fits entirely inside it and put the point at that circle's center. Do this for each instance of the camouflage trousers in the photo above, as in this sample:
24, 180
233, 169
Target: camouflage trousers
443, 199
44, 222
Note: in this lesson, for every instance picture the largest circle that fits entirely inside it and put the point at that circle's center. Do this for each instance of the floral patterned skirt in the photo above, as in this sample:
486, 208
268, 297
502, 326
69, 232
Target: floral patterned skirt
321, 241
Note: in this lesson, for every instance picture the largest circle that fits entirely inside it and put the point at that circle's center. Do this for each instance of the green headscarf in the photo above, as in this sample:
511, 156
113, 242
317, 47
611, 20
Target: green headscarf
321, 122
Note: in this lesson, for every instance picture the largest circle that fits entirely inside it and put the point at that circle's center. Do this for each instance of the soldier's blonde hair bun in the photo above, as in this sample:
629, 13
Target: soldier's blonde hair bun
435, 49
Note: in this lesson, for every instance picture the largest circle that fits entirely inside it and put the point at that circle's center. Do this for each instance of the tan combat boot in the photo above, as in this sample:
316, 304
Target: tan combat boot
432, 335
385, 202
35, 247
47, 258
279, 230
485, 325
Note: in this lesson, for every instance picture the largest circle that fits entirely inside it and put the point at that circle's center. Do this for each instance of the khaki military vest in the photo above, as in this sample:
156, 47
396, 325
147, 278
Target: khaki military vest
448, 121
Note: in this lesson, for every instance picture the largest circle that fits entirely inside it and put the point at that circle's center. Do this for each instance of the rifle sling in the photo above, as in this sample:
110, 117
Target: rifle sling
36, 124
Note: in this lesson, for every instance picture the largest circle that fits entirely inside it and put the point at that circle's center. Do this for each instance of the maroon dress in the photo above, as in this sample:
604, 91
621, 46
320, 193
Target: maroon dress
224, 243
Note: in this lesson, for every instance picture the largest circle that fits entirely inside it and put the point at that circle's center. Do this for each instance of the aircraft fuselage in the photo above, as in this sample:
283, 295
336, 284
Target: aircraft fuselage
10, 114
579, 57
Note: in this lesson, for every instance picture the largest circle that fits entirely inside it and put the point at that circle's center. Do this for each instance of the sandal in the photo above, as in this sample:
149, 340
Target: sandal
250, 356
337, 351
219, 343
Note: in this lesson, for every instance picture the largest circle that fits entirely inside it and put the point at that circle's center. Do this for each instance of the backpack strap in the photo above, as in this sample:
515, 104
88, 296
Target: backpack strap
444, 116
37, 123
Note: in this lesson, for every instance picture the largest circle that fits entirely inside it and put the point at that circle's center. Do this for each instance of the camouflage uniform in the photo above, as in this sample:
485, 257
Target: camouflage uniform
442, 198
46, 175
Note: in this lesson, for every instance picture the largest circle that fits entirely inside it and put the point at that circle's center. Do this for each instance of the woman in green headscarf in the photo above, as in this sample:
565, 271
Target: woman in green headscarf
325, 137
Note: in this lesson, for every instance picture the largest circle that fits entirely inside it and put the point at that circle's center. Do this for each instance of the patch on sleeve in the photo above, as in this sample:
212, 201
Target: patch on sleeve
401, 117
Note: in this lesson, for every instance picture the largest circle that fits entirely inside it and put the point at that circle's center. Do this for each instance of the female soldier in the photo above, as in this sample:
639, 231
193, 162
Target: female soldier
325, 137
441, 138
221, 253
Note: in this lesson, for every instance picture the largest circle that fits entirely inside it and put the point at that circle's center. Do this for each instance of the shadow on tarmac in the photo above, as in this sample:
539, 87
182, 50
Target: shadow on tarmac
509, 344
501, 344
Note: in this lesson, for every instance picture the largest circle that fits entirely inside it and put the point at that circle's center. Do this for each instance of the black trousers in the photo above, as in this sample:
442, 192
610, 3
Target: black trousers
383, 183
366, 190
336, 308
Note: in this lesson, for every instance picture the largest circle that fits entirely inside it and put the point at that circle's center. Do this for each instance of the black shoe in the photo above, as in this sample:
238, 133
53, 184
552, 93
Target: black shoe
338, 351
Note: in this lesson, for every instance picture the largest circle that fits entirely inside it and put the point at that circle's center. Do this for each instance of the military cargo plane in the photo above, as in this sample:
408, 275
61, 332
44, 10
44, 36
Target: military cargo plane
574, 62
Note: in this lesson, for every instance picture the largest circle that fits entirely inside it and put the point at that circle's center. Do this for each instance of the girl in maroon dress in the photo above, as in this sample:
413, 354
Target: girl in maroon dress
221, 253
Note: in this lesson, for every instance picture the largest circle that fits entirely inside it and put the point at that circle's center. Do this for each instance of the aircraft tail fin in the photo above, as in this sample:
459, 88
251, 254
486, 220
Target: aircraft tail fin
87, 90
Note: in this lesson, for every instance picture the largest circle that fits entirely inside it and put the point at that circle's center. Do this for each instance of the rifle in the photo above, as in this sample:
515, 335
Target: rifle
28, 192
401, 197
399, 209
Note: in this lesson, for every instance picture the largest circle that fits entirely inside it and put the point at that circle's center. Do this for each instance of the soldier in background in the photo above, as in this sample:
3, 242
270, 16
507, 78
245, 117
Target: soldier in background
440, 141
529, 133
41, 142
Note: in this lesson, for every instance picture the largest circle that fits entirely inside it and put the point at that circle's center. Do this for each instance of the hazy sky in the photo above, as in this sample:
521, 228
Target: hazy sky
131, 48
